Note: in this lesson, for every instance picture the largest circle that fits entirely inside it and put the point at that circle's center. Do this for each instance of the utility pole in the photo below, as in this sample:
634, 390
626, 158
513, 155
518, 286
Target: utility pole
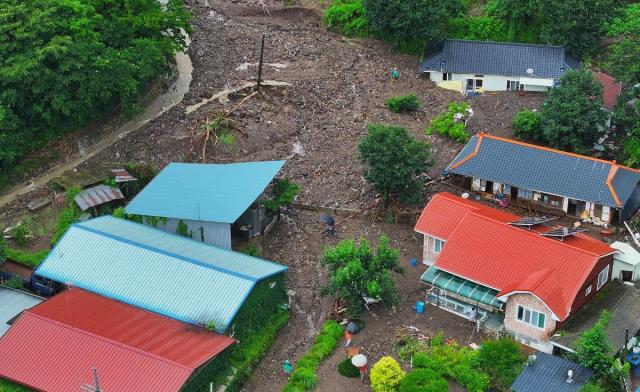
260, 64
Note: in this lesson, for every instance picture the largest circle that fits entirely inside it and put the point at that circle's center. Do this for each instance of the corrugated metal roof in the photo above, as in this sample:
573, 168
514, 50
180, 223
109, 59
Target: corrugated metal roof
207, 192
97, 195
484, 248
237, 262
12, 302
549, 373
499, 58
192, 290
121, 175
54, 346
545, 170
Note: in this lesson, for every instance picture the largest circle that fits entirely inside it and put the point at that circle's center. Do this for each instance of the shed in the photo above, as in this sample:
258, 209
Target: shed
626, 262
167, 274
208, 198
551, 374
12, 303
55, 345
97, 195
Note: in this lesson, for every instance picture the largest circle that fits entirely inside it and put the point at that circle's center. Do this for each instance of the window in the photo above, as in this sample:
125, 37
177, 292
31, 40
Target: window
437, 245
587, 291
478, 83
531, 317
603, 277
513, 85
446, 76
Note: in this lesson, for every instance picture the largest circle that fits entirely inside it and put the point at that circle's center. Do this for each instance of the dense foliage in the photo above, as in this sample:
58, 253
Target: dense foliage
3, 249
446, 124
403, 103
356, 271
386, 375
64, 63
526, 123
423, 380
304, 376
348, 17
284, 192
624, 60
628, 22
502, 359
347, 369
69, 214
393, 161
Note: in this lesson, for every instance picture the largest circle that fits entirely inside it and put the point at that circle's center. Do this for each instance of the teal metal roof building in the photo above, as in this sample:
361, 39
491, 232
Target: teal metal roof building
164, 273
204, 192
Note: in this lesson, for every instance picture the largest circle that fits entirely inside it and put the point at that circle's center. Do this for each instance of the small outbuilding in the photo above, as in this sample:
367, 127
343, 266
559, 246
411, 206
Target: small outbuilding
207, 201
626, 262
546, 372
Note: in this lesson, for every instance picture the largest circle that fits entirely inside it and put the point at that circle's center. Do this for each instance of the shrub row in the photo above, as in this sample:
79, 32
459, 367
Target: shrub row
304, 377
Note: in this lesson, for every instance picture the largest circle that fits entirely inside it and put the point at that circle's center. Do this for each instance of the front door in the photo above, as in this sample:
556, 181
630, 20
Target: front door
627, 276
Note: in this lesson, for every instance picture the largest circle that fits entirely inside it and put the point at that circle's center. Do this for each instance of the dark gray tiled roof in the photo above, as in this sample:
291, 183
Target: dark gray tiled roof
544, 170
549, 373
499, 58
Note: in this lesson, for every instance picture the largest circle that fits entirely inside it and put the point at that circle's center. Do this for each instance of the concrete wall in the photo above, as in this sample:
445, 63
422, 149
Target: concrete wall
429, 256
489, 82
215, 233
525, 333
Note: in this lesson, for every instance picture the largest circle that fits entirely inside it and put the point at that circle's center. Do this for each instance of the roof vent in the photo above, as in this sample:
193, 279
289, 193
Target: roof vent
570, 376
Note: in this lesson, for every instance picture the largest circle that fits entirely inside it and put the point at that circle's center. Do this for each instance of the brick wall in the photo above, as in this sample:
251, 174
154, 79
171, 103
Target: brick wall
428, 255
522, 331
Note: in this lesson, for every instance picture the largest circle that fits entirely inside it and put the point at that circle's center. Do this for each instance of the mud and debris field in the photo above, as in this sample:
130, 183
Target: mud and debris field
333, 87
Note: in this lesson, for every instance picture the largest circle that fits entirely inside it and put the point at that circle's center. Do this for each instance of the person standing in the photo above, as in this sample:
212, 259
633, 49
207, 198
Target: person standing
395, 75
348, 335
287, 367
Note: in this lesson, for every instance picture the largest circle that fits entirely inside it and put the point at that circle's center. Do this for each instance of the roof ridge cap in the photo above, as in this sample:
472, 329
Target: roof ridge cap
108, 340
506, 43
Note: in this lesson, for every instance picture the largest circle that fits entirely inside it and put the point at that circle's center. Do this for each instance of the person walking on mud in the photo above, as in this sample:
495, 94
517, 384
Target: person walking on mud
395, 75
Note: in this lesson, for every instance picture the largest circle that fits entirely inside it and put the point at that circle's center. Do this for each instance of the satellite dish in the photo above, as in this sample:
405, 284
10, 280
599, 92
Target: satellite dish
529, 71
358, 360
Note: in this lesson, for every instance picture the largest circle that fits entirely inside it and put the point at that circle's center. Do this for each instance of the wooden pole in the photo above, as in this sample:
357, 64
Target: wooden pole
260, 64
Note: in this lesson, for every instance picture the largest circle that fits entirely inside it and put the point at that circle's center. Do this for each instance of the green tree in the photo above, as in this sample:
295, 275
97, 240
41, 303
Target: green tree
521, 16
356, 271
393, 160
502, 359
64, 63
624, 60
572, 115
576, 24
423, 380
410, 22
592, 350
526, 124
627, 23
386, 375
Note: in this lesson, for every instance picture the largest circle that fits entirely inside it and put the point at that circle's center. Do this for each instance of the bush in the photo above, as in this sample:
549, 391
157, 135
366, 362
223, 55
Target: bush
446, 125
411, 347
347, 369
403, 103
304, 376
386, 375
423, 380
471, 379
14, 282
284, 192
3, 249
526, 124
21, 234
69, 214
502, 359
347, 17
28, 259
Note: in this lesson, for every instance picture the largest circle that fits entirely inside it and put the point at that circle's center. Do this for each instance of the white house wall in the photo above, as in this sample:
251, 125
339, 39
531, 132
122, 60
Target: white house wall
489, 82
214, 233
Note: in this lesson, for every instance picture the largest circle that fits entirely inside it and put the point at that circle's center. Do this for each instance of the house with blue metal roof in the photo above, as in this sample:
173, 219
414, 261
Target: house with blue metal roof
546, 372
208, 201
496, 66
171, 275
593, 189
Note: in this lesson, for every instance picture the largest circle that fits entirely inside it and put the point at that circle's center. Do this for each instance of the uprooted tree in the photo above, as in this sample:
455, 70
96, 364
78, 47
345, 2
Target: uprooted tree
356, 272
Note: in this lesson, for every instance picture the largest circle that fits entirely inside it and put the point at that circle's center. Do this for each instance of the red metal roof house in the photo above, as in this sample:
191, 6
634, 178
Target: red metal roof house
517, 275
54, 346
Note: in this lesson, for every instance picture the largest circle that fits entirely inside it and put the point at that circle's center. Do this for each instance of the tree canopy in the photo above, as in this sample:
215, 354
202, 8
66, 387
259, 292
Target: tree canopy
393, 160
64, 63
356, 271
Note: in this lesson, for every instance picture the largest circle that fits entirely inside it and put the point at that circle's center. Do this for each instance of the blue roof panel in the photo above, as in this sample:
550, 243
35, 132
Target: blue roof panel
152, 278
206, 192
549, 373
543, 170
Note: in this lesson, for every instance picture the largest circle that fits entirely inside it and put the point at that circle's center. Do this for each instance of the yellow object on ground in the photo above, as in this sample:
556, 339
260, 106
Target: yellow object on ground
453, 85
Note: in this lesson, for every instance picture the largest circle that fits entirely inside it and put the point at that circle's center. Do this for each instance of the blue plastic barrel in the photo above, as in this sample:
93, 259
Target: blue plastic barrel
420, 307
413, 262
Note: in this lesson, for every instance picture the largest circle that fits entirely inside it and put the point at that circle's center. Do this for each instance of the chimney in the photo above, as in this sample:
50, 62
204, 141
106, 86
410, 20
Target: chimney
570, 376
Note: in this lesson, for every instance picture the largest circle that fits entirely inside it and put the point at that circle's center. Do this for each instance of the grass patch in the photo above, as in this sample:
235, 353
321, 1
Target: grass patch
346, 17
304, 376
30, 260
8, 386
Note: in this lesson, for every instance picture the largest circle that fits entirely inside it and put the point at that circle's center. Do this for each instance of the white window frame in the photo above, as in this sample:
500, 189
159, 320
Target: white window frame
437, 249
533, 314
587, 291
603, 277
